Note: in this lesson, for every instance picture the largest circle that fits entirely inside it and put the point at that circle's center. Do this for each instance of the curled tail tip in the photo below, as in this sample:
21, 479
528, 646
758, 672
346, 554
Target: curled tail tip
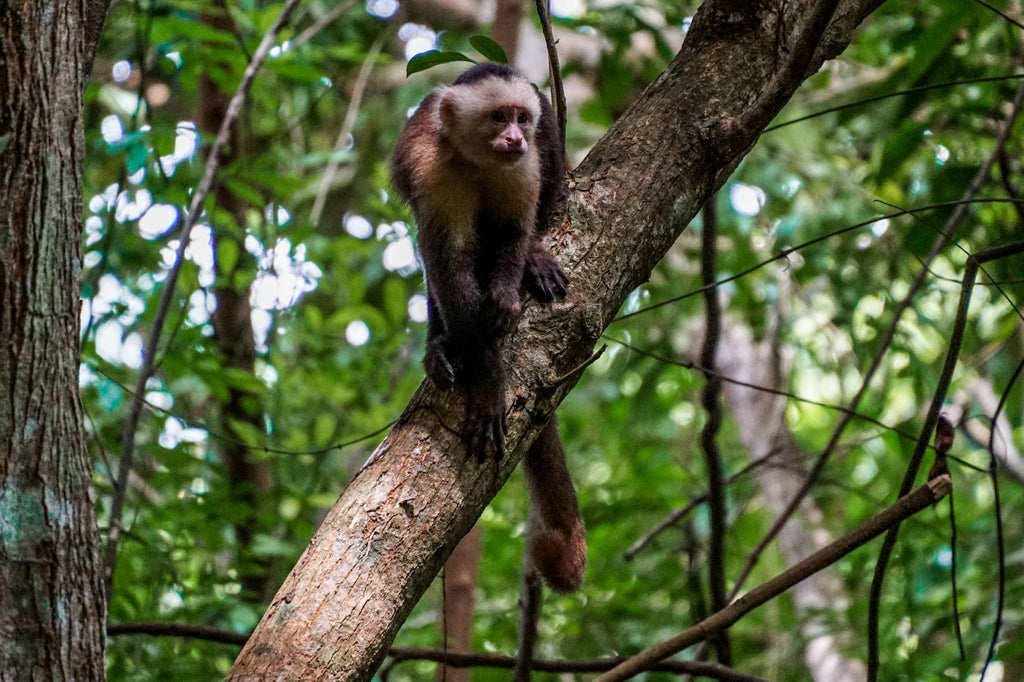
561, 557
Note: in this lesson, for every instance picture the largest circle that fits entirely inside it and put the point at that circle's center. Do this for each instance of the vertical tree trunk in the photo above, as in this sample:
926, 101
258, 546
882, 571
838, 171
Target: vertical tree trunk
52, 608
460, 601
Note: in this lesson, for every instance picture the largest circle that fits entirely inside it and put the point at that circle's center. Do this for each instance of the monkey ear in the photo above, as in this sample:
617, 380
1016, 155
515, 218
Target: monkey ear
448, 112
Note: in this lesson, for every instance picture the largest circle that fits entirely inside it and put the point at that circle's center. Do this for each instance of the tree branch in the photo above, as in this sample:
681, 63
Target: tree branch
902, 509
711, 398
384, 541
131, 423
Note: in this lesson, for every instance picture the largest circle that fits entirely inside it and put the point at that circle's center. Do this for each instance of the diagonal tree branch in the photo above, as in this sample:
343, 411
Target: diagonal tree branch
917, 500
392, 529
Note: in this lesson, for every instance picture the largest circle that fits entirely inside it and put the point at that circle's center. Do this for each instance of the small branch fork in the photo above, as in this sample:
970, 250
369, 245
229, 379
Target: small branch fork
905, 507
974, 263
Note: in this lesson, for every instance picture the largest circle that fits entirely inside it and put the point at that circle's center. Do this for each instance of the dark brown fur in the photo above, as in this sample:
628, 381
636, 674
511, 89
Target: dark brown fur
481, 164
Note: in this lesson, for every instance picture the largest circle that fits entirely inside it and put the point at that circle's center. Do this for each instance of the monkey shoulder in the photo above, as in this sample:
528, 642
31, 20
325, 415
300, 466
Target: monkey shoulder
418, 150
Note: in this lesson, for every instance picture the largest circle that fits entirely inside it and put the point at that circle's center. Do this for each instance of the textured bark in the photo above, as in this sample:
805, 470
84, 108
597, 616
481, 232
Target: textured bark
392, 529
52, 608
460, 601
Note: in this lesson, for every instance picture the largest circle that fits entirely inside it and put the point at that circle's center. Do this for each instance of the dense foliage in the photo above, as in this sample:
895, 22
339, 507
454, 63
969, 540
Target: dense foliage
247, 438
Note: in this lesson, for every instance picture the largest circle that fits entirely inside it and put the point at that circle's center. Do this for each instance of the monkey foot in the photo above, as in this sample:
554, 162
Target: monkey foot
485, 427
502, 310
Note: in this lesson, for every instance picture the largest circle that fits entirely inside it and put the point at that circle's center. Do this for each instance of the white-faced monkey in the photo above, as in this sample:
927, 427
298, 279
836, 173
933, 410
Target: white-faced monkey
481, 163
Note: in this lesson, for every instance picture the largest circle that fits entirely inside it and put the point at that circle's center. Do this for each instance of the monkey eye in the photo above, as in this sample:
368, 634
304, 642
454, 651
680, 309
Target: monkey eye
498, 116
522, 119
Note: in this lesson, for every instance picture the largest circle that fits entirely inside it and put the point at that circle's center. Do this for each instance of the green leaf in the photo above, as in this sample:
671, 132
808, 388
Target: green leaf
244, 190
302, 73
137, 156
246, 432
177, 28
431, 58
489, 48
243, 380
227, 255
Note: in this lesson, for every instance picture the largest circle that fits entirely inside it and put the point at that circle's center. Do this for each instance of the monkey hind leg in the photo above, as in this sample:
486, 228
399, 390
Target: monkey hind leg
556, 544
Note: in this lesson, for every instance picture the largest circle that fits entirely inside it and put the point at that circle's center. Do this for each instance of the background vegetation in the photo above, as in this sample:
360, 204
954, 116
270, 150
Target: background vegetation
295, 332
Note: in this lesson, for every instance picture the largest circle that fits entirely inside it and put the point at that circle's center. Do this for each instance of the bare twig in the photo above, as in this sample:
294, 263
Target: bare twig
1000, 542
786, 252
687, 364
710, 670
1006, 17
206, 633
578, 369
902, 509
711, 398
558, 91
456, 660
131, 422
354, 102
970, 272
695, 502
897, 93
323, 22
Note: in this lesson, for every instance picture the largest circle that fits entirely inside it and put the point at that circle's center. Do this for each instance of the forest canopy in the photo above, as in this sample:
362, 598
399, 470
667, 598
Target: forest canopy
852, 273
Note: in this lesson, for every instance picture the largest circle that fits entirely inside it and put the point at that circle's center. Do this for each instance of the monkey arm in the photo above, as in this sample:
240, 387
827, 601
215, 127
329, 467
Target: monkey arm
459, 349
502, 305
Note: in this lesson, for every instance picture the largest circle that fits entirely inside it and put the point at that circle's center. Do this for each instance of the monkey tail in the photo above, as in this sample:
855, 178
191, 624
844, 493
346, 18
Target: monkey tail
556, 543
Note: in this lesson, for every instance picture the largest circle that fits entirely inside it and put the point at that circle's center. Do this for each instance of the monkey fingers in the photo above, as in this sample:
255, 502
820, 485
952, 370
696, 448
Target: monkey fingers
502, 310
543, 276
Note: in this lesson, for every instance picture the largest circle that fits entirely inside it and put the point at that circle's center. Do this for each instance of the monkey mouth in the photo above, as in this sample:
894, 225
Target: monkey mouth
509, 153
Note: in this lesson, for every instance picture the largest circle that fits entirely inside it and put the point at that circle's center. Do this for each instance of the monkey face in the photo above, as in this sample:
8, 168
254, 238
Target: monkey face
514, 126
490, 123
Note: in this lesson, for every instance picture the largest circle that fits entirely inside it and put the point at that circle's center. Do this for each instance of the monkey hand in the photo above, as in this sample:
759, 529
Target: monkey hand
486, 426
543, 276
440, 367
502, 310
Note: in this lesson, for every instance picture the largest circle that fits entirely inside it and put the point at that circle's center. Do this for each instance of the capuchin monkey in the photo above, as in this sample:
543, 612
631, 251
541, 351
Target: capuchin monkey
481, 163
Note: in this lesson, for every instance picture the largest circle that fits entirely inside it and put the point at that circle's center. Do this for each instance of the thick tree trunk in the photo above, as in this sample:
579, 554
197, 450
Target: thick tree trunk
385, 539
52, 604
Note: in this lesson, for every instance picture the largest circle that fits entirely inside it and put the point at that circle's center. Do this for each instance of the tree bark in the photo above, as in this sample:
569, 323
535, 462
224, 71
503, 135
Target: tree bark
460, 602
53, 608
396, 523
